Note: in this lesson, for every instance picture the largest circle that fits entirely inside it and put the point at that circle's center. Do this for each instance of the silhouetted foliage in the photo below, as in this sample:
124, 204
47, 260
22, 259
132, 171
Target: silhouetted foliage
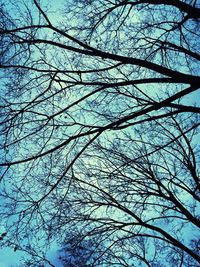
99, 131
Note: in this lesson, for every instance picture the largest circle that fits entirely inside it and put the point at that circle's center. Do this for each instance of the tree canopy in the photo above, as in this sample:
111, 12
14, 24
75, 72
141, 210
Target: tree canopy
99, 131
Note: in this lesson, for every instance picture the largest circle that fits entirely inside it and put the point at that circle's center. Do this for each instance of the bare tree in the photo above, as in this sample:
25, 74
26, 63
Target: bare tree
99, 132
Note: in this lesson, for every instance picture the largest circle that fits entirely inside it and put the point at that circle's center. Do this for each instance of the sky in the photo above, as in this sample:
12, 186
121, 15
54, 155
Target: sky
9, 257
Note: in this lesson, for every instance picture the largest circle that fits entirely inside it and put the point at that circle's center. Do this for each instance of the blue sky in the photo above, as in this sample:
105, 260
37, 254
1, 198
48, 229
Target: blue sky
8, 257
